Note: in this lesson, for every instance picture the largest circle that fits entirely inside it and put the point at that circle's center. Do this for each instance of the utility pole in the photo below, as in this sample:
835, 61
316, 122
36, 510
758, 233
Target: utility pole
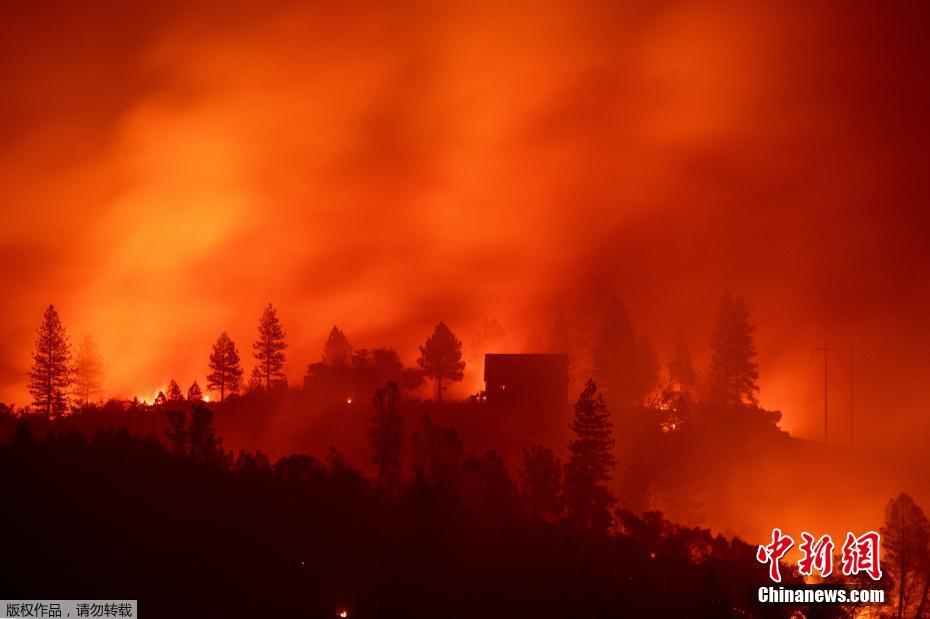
826, 350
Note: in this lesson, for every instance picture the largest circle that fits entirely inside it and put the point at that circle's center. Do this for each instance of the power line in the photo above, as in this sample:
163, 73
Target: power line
825, 350
852, 348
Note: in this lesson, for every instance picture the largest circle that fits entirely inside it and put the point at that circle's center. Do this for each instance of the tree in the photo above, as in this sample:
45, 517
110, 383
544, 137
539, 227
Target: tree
905, 540
589, 468
385, 434
624, 364
269, 349
681, 370
204, 445
733, 370
194, 394
441, 357
541, 478
225, 371
176, 433
174, 391
256, 381
88, 373
438, 453
337, 350
51, 373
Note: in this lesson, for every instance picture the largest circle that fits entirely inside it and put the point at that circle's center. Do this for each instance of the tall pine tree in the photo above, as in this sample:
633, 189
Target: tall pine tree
587, 497
268, 350
734, 373
386, 438
194, 394
88, 373
625, 365
681, 370
337, 350
225, 370
441, 357
51, 373
174, 391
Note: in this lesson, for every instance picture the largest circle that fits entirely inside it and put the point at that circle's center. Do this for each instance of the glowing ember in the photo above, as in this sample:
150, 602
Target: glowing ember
343, 613
348, 400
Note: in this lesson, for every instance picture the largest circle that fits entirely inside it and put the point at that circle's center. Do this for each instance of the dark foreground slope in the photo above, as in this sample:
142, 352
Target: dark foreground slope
120, 517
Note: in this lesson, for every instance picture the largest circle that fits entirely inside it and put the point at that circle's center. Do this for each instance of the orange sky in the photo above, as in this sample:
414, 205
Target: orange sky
168, 168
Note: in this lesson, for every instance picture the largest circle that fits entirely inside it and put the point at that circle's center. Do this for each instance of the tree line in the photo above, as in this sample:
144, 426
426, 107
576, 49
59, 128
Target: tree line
57, 381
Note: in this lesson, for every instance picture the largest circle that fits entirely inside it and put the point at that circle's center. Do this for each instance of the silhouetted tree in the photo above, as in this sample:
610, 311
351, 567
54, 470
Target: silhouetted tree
385, 434
269, 349
487, 488
174, 391
88, 373
441, 357
50, 376
204, 444
541, 479
587, 497
337, 350
438, 453
256, 381
176, 432
160, 399
625, 365
225, 371
194, 394
681, 370
733, 370
906, 546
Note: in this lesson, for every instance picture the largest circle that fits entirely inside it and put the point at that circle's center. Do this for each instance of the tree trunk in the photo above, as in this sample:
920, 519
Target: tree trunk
923, 597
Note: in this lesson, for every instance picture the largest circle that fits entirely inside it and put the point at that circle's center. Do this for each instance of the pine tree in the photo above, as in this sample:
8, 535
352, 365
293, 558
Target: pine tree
681, 370
733, 370
268, 350
50, 376
176, 432
385, 434
255, 380
337, 350
589, 468
204, 444
225, 370
88, 373
194, 394
541, 479
905, 540
441, 357
625, 365
174, 391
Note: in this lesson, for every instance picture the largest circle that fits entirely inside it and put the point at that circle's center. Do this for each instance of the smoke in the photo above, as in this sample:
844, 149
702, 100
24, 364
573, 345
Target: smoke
167, 170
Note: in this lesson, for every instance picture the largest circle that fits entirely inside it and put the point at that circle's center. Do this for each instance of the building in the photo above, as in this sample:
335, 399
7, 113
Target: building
527, 380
